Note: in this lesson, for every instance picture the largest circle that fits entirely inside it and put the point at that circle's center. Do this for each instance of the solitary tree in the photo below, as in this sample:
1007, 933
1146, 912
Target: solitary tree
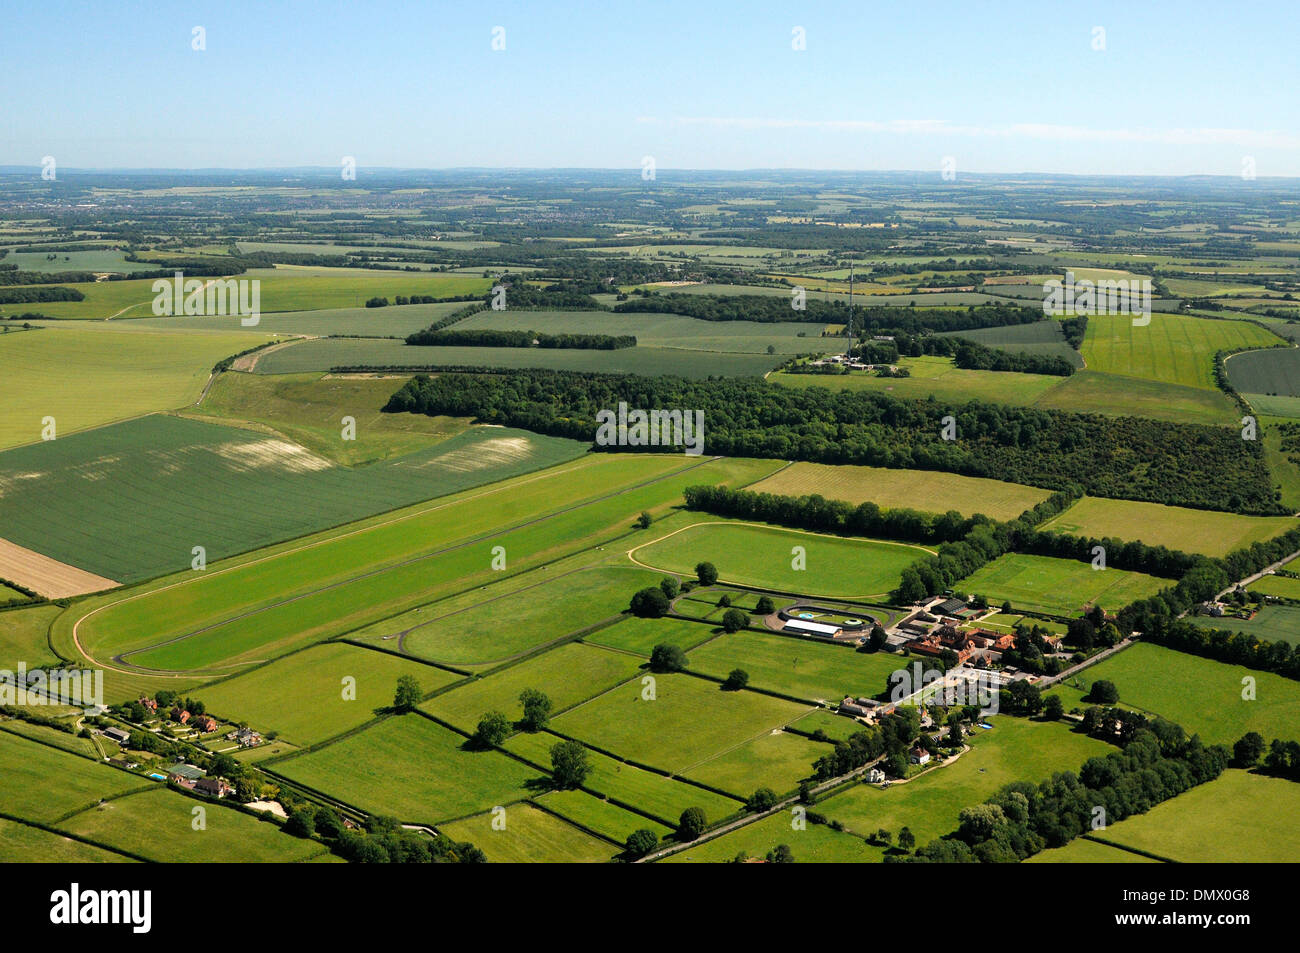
764, 606
650, 603
641, 842
1248, 749
692, 823
906, 839
733, 620
670, 586
781, 854
537, 709
643, 521
1104, 692
706, 573
667, 657
569, 765
764, 799
1053, 708
876, 641
736, 680
408, 693
492, 730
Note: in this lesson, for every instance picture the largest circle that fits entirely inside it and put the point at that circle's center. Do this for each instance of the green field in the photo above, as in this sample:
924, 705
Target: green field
308, 409
20, 844
413, 768
1040, 337
396, 321
1081, 850
1276, 371
99, 260
665, 330
70, 374
23, 636
131, 501
601, 816
314, 680
1202, 695
640, 636
531, 835
499, 622
1173, 348
654, 793
1238, 818
689, 722
1058, 586
1093, 392
1191, 531
321, 354
762, 556
815, 843
939, 378
340, 580
777, 760
567, 675
282, 289
27, 770
1015, 750
796, 666
929, 491
158, 824
1272, 623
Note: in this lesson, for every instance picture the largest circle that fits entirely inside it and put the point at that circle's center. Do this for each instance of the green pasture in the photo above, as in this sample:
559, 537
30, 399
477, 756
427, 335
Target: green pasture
764, 556
1058, 586
1192, 531
333, 687
929, 491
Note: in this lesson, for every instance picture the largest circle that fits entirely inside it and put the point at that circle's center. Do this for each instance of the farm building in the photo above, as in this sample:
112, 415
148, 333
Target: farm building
818, 629
119, 735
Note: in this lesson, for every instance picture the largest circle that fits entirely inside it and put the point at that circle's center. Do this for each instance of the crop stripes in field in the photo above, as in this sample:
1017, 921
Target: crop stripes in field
122, 658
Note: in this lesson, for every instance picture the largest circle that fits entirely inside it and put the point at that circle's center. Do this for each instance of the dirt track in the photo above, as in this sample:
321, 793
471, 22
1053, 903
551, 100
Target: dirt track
49, 577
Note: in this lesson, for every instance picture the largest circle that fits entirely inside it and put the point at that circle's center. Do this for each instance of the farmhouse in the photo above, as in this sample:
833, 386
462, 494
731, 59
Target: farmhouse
181, 715
920, 756
213, 787
206, 723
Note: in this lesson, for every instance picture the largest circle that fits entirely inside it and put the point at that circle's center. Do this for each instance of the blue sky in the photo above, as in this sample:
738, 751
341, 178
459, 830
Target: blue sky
1180, 88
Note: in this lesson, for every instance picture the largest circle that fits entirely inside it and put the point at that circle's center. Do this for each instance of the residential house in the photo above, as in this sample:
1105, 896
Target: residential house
213, 787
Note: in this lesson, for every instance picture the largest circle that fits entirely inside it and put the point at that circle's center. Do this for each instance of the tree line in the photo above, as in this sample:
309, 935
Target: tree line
486, 337
1156, 763
1122, 457
770, 309
815, 512
966, 354
24, 294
